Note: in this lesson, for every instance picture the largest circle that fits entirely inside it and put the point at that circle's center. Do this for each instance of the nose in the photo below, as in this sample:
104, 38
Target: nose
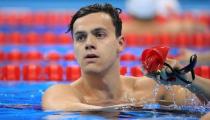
89, 47
90, 44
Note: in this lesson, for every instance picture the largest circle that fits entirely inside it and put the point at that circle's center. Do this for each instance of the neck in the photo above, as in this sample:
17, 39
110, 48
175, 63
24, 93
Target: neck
106, 83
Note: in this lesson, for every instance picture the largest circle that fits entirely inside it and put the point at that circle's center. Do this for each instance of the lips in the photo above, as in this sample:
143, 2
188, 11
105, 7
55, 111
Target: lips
90, 56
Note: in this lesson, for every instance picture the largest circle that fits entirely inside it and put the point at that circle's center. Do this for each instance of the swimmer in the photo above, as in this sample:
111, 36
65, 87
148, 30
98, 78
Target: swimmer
98, 42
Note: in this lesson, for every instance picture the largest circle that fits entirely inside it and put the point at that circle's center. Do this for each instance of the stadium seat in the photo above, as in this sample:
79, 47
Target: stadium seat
14, 55
128, 57
49, 38
1, 73
182, 40
148, 39
123, 70
65, 39
33, 55
132, 39
72, 73
165, 39
2, 56
32, 72
32, 38
198, 40
136, 71
11, 72
15, 38
39, 18
2, 38
54, 72
69, 56
53, 56
203, 71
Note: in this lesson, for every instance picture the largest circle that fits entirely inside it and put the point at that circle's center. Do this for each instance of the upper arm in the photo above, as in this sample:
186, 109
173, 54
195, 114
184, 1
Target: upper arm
181, 96
59, 97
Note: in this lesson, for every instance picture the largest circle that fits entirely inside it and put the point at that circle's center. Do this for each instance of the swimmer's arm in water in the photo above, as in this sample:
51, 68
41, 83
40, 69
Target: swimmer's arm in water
198, 87
62, 97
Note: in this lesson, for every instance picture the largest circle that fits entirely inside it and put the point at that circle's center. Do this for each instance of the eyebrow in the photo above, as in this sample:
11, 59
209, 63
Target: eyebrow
80, 32
98, 29
92, 31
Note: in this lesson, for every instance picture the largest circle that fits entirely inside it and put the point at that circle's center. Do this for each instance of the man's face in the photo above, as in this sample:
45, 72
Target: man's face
95, 44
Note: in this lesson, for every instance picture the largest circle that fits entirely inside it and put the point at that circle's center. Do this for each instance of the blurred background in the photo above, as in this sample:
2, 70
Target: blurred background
35, 47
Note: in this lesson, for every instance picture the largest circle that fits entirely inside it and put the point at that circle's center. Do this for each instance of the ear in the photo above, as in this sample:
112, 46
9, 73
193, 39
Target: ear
121, 43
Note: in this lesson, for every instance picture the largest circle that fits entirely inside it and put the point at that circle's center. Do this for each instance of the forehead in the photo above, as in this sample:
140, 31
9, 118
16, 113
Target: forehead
92, 21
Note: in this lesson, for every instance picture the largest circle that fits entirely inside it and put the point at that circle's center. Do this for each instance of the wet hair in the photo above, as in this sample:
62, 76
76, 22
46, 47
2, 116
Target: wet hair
105, 8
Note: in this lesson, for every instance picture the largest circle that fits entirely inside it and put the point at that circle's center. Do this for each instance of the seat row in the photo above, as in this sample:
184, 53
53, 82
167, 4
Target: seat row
51, 72
199, 39
55, 72
48, 19
177, 40
33, 38
53, 55
53, 18
34, 55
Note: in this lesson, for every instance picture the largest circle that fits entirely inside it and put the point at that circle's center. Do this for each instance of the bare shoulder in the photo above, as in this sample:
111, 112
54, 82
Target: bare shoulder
58, 95
57, 89
138, 82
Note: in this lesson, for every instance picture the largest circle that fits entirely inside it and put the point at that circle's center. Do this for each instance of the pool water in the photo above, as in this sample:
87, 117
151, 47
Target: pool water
22, 100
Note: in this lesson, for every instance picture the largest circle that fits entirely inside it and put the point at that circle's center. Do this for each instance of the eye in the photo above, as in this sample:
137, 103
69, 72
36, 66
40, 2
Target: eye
100, 35
80, 38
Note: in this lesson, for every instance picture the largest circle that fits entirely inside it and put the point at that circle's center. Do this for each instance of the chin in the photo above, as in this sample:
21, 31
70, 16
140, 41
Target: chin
92, 69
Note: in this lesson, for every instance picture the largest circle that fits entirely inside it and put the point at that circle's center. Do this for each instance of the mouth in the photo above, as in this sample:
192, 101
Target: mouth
91, 56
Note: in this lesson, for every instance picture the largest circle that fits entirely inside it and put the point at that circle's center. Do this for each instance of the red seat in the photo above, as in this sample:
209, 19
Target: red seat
182, 40
165, 39
203, 18
32, 72
53, 56
49, 38
69, 56
33, 55
65, 18
52, 19
2, 38
26, 19
14, 55
12, 18
11, 72
123, 70
54, 72
136, 71
198, 40
203, 71
125, 17
39, 18
132, 39
64, 39
161, 19
32, 38
128, 57
207, 38
15, 38
148, 39
2, 56
73, 73
1, 73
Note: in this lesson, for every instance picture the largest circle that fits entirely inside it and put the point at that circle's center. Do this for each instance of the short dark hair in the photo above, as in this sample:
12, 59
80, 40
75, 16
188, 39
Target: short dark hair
106, 8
